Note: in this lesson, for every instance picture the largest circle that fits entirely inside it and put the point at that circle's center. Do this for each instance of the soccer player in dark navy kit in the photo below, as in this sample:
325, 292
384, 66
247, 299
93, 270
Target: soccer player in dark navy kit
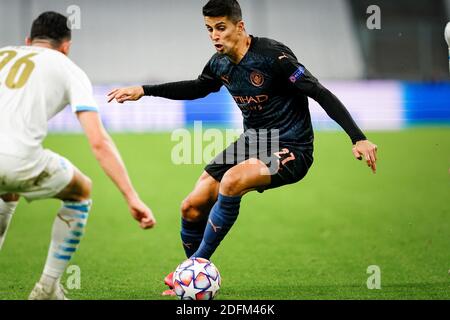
271, 88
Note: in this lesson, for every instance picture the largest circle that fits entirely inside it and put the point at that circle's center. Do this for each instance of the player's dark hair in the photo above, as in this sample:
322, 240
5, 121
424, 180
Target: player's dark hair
223, 8
51, 26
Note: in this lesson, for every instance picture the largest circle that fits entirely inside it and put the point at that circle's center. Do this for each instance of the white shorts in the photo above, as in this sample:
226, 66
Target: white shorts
41, 177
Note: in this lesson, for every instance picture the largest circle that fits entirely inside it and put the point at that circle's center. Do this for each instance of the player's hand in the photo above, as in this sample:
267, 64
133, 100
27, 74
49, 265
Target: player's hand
126, 94
366, 150
141, 213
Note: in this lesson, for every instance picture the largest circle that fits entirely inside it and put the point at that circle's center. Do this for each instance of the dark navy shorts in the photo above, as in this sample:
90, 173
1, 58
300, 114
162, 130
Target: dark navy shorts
287, 163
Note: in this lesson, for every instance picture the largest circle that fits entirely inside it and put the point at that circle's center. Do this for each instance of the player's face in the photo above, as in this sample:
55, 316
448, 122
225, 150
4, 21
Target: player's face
224, 34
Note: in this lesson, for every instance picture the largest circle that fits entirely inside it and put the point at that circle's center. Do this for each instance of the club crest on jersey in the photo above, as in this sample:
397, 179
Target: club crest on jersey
297, 74
257, 79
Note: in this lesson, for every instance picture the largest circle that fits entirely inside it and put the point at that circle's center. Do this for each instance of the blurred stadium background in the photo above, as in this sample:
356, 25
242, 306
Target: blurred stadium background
389, 79
394, 81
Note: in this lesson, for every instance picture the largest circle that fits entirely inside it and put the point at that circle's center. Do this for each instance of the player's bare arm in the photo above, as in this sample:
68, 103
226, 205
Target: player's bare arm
110, 160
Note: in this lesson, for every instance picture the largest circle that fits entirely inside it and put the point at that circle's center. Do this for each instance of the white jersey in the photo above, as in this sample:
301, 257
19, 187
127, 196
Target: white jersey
35, 84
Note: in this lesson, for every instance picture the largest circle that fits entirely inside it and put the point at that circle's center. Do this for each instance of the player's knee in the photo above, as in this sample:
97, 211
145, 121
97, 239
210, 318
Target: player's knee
231, 184
10, 197
87, 188
84, 189
189, 212
185, 207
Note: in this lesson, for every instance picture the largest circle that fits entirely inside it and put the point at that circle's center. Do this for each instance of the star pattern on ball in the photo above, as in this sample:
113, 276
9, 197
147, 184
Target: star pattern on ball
197, 268
191, 291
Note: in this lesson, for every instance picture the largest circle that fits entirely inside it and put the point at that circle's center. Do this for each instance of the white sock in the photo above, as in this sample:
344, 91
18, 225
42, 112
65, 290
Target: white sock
67, 231
6, 212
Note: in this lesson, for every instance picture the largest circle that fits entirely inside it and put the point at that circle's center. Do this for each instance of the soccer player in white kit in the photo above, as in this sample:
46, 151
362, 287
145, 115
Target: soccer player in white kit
36, 82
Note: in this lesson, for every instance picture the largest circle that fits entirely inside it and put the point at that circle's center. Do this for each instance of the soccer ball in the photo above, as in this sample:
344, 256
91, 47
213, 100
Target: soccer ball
196, 279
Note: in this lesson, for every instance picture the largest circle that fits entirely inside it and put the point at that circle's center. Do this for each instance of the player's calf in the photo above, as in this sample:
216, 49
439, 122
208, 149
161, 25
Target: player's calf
193, 223
195, 210
248, 175
68, 229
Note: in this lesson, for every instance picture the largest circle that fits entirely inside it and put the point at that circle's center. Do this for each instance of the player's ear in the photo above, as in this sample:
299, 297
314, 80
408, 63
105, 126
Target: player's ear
241, 26
65, 47
28, 41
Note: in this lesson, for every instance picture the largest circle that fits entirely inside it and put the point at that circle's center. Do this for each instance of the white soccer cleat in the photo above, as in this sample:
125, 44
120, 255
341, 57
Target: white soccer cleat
57, 292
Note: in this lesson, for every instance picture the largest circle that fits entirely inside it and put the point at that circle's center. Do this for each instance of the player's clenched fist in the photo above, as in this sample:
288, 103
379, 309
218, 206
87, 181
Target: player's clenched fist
126, 94
141, 213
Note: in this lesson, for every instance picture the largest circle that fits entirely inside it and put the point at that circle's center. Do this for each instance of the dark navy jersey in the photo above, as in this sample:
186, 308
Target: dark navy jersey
270, 87
261, 88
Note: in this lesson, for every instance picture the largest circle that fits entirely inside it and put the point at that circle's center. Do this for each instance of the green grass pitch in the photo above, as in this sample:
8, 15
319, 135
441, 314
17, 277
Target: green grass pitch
311, 240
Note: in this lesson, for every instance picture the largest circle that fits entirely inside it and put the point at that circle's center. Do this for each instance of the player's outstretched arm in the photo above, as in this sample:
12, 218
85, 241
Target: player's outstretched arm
205, 84
181, 90
111, 162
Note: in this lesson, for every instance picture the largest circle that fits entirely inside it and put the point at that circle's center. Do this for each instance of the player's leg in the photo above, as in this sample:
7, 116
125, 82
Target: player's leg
194, 216
247, 176
195, 210
292, 166
8, 204
66, 183
197, 206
